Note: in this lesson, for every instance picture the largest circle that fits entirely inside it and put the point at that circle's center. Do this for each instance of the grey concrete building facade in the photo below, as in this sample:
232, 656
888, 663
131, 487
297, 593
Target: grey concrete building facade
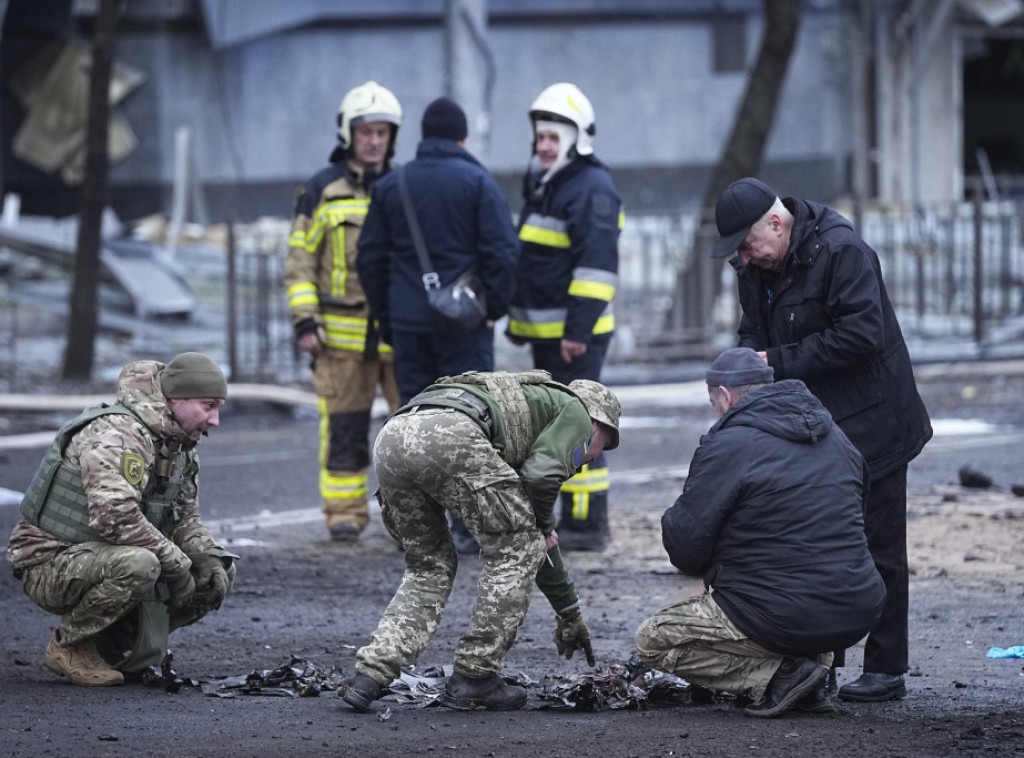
873, 104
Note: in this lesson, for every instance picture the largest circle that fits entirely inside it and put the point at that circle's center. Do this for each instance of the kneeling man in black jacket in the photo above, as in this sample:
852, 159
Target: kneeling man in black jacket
771, 517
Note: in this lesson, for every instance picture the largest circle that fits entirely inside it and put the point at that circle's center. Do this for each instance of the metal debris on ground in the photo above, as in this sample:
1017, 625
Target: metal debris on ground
619, 686
297, 678
606, 688
420, 689
615, 687
165, 677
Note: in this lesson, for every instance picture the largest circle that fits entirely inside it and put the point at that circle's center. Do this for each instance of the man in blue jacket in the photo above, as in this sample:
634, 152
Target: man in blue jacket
816, 309
771, 518
467, 227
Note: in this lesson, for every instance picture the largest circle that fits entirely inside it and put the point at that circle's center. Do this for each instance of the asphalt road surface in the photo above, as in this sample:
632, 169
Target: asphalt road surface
299, 594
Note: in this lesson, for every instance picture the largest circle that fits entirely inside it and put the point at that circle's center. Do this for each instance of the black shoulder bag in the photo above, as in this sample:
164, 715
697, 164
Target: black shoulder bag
459, 307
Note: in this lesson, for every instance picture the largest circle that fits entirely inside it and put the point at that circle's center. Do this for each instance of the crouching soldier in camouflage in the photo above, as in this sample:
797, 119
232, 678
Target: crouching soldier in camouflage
110, 536
494, 450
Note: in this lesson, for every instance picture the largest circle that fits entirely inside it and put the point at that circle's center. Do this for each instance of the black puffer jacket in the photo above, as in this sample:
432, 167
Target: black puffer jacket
828, 321
771, 517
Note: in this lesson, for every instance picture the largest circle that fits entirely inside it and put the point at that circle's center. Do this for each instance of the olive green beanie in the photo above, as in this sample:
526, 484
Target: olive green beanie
193, 375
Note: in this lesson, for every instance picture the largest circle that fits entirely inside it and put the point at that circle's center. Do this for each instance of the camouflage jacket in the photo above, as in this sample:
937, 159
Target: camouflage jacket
560, 432
100, 451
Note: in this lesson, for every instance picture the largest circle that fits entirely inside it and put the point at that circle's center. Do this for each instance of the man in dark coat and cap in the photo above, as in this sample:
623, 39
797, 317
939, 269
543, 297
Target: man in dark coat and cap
815, 308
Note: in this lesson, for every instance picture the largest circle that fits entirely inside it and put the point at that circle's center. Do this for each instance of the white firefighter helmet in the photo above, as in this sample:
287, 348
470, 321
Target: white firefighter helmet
366, 103
565, 102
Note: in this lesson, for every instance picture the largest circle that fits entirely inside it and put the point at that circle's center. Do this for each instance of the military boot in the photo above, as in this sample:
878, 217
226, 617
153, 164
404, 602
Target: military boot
491, 692
362, 691
81, 663
791, 682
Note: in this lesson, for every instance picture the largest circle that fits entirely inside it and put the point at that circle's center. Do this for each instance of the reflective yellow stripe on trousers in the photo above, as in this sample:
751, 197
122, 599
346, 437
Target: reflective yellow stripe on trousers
332, 487
587, 482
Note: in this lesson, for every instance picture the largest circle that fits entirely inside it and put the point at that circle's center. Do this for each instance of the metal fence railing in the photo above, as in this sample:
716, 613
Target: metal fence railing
955, 274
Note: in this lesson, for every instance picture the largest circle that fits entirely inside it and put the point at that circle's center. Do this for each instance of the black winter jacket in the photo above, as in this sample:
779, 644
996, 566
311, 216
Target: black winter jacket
771, 517
827, 321
466, 224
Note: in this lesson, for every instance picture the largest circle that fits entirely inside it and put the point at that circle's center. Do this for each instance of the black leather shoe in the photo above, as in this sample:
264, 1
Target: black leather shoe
795, 677
815, 701
872, 687
362, 691
491, 692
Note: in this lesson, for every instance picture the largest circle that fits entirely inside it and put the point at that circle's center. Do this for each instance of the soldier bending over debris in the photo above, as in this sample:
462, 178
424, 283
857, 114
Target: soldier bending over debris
494, 450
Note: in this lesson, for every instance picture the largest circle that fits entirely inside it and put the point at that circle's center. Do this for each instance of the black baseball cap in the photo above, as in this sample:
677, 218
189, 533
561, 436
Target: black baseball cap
739, 207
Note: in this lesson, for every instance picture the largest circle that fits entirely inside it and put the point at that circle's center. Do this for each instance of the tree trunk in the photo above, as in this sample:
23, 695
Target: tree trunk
82, 324
700, 283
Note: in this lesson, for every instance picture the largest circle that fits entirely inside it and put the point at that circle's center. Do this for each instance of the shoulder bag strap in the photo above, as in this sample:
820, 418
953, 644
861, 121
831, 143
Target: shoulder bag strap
430, 278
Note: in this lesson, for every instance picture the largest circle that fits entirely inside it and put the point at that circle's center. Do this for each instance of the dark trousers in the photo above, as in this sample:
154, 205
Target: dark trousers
548, 356
420, 358
885, 522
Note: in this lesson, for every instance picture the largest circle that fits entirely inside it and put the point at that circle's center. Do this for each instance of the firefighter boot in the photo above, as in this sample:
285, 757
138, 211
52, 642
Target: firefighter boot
343, 531
81, 663
588, 534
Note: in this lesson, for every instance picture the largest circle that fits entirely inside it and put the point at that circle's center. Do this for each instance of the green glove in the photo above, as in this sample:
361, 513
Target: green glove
211, 578
183, 590
571, 634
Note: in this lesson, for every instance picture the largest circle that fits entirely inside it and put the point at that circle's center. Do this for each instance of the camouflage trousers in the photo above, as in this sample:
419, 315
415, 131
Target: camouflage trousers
430, 461
93, 585
695, 640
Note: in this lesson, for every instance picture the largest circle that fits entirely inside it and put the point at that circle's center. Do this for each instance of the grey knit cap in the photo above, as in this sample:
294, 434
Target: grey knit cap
738, 366
193, 375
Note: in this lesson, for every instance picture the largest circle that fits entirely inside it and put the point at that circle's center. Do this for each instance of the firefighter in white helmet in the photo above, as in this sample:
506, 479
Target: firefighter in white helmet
567, 273
329, 311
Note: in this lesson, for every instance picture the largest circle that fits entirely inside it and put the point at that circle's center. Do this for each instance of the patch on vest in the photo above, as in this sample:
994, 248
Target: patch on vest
133, 466
579, 453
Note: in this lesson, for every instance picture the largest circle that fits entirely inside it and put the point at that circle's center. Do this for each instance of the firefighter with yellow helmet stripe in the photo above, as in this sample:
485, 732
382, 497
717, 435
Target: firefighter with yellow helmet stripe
567, 274
329, 311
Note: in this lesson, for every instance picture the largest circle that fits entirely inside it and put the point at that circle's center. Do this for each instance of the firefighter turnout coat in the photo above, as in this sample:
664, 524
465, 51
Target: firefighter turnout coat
569, 259
320, 275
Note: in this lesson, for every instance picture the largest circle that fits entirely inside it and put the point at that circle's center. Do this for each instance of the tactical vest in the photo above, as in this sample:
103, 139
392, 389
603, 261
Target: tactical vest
56, 500
506, 389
